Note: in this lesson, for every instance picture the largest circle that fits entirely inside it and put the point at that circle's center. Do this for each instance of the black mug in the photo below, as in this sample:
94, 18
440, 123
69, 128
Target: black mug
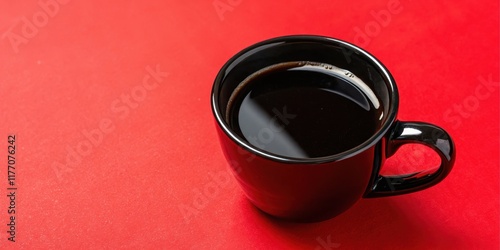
318, 187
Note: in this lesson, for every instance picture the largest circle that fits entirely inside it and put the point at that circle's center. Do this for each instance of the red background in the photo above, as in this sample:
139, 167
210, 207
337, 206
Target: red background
63, 78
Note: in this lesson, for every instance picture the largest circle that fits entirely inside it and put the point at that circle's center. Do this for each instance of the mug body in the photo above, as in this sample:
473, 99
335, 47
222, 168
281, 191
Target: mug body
304, 192
304, 189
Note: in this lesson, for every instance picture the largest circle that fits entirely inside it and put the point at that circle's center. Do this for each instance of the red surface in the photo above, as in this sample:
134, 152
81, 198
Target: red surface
66, 76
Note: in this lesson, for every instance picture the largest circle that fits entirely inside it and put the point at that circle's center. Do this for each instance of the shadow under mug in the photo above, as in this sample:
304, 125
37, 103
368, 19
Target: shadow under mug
315, 189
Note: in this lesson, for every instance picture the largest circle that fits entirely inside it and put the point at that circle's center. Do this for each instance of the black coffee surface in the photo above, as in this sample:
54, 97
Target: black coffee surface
304, 110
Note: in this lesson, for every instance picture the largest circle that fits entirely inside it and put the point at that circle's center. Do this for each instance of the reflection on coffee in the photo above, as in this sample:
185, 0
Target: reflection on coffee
304, 110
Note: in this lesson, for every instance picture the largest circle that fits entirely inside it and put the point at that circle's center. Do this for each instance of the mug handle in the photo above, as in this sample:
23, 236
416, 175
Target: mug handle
415, 132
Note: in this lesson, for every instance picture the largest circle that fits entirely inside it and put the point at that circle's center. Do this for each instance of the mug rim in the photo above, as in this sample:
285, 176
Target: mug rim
389, 81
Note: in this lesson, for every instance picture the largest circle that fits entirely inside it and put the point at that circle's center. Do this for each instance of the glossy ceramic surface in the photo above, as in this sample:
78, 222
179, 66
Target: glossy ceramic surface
314, 189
